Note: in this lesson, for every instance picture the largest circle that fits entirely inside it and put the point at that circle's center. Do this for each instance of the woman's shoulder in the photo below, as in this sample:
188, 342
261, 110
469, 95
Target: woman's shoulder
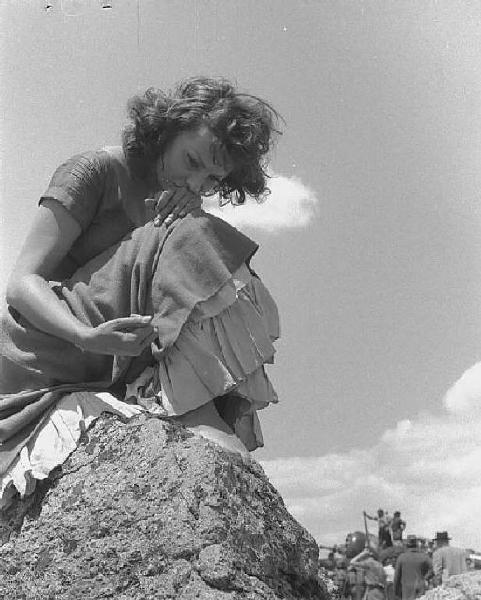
83, 165
79, 184
112, 155
97, 159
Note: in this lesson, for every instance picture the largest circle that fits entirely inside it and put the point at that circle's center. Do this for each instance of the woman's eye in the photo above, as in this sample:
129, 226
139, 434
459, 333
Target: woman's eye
192, 162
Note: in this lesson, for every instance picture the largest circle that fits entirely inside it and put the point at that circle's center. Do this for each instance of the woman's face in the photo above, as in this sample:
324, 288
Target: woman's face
194, 159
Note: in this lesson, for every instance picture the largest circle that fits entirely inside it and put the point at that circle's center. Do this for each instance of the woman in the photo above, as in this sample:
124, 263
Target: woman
202, 138
87, 334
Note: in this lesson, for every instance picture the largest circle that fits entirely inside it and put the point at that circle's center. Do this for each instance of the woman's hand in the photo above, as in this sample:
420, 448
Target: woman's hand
126, 336
172, 204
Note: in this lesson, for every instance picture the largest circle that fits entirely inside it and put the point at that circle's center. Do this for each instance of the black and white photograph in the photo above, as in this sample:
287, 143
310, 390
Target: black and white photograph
240, 315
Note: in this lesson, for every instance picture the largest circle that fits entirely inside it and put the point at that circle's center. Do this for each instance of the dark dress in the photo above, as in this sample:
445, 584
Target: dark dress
215, 320
98, 191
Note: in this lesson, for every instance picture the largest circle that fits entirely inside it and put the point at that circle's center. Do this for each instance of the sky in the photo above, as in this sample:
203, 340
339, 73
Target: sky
370, 240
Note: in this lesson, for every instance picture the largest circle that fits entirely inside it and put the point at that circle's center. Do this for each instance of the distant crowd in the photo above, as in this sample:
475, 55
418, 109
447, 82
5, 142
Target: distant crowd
391, 567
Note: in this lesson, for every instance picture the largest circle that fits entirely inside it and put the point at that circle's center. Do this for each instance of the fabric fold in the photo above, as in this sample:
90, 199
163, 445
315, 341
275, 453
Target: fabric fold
164, 272
219, 355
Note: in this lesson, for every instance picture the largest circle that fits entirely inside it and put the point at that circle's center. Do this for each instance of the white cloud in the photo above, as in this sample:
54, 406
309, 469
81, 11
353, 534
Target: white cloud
464, 396
428, 467
291, 204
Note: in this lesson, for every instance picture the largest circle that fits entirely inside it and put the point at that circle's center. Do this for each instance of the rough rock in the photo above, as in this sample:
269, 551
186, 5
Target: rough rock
144, 510
458, 587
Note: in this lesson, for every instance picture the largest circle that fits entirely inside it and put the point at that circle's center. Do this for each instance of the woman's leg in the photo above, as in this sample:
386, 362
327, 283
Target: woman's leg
236, 411
206, 422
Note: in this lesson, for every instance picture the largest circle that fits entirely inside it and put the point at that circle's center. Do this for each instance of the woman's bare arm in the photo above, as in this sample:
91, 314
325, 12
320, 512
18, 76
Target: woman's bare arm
50, 238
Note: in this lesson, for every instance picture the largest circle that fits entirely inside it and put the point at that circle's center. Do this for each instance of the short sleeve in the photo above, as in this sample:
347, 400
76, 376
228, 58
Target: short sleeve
78, 185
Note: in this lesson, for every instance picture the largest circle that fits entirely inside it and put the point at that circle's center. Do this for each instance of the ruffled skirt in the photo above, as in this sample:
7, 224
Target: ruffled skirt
220, 354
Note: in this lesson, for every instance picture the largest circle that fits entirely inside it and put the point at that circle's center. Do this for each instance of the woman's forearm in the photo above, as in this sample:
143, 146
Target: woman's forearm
33, 297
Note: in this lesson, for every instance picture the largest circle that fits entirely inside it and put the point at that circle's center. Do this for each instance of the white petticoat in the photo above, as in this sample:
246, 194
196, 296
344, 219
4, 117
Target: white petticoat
57, 439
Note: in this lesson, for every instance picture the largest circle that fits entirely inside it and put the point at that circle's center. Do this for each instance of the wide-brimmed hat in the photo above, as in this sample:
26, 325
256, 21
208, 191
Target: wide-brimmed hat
441, 536
411, 541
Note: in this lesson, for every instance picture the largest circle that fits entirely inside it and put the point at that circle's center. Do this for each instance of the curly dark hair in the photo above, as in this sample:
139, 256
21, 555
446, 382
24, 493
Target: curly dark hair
244, 124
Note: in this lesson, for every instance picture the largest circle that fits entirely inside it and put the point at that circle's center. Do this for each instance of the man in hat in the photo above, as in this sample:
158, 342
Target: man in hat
447, 560
413, 568
398, 525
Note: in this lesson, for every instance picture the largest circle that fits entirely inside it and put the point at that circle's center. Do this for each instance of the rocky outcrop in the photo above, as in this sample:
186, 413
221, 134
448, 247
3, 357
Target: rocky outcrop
144, 510
458, 587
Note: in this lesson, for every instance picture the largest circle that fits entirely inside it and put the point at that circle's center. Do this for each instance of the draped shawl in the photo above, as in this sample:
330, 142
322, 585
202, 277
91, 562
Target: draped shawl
162, 272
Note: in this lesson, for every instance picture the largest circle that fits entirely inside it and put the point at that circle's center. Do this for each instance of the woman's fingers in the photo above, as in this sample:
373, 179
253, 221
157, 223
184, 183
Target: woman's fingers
174, 204
189, 203
134, 333
134, 342
164, 199
185, 204
140, 331
186, 201
164, 209
165, 203
125, 336
146, 335
150, 208
132, 322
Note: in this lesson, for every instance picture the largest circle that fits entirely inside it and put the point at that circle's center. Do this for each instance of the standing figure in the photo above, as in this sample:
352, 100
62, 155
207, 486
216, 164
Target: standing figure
447, 560
374, 574
384, 525
340, 576
413, 568
397, 528
389, 564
